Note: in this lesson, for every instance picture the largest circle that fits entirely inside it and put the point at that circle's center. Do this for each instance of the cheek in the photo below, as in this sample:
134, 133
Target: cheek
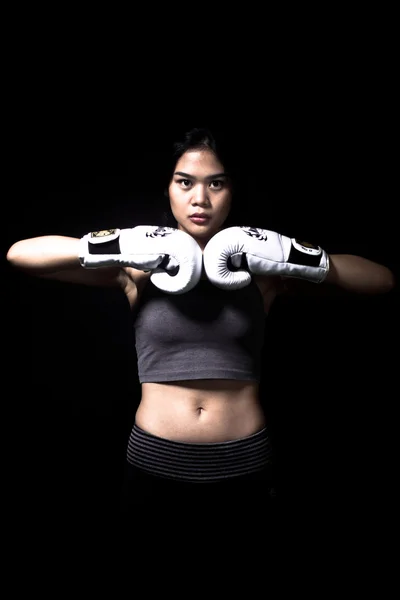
226, 207
175, 204
171, 196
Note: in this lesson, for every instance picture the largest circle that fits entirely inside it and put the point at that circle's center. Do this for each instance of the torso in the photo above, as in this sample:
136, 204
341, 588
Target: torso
201, 410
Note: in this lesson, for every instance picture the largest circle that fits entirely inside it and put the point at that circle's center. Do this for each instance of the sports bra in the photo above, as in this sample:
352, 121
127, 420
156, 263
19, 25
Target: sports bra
206, 333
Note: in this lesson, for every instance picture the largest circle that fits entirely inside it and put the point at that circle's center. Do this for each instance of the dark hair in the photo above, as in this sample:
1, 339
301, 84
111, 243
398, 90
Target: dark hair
199, 138
202, 138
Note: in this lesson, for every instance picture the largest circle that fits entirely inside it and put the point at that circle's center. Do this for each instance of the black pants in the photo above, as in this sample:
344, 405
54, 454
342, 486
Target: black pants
234, 514
179, 483
247, 496
200, 521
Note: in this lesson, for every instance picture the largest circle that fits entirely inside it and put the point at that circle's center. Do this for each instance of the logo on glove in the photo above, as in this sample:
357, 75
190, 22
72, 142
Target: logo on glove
159, 232
256, 232
306, 247
102, 233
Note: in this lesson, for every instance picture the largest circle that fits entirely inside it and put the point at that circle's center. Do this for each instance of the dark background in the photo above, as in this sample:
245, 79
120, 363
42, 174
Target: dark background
329, 359
317, 139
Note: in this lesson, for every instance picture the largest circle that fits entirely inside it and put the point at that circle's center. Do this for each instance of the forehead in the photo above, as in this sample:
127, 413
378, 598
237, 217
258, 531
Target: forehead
199, 161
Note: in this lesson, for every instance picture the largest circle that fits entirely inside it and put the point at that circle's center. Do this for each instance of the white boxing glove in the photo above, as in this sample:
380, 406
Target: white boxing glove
173, 256
234, 254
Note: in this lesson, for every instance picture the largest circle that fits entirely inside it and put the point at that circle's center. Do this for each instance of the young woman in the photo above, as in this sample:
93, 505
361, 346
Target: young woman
200, 293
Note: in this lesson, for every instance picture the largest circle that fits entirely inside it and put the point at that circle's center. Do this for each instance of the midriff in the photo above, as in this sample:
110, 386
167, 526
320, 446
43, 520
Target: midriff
201, 411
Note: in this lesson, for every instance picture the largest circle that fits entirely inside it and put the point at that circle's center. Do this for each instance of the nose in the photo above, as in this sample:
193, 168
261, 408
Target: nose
200, 196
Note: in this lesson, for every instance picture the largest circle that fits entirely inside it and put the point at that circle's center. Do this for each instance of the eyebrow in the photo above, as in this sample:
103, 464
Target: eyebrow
193, 177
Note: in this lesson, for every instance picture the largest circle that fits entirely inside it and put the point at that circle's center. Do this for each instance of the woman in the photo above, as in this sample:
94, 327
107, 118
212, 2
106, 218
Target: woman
200, 433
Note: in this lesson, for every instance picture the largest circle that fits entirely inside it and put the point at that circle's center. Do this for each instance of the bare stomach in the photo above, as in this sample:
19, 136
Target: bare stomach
201, 410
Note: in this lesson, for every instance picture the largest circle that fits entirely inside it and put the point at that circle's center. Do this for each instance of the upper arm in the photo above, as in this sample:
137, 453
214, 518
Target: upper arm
104, 277
129, 280
56, 257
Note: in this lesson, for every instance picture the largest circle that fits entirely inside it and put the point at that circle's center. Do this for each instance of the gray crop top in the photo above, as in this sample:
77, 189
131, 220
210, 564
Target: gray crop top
206, 333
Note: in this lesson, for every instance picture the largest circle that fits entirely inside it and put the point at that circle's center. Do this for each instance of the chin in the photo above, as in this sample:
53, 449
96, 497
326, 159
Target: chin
203, 233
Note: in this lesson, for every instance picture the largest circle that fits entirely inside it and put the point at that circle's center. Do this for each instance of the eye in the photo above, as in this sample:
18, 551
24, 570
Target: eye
185, 183
217, 184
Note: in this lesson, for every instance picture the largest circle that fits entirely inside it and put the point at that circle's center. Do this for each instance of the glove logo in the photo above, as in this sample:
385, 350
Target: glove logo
159, 232
257, 233
306, 247
102, 233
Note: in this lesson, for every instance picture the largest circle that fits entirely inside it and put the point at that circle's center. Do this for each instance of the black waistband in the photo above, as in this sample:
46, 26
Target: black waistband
198, 461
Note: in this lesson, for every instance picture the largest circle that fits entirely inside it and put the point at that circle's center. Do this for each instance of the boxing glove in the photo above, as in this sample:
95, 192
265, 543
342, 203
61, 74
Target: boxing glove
172, 256
234, 254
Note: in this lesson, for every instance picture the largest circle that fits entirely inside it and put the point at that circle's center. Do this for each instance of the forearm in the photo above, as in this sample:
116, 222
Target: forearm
45, 254
358, 274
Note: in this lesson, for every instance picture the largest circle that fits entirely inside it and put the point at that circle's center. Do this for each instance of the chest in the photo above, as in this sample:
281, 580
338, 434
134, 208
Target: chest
205, 313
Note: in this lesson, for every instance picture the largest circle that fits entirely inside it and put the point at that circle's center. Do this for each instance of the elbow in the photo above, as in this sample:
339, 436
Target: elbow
15, 256
388, 281
383, 283
12, 255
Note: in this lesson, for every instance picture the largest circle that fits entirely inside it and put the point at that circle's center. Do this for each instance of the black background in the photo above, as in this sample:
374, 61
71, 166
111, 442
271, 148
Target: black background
85, 153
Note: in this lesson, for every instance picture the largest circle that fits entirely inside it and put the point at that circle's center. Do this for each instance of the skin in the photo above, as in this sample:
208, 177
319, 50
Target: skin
200, 410
199, 185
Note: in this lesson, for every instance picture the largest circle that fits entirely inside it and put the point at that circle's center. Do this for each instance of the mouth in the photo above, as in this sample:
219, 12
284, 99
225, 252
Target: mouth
199, 219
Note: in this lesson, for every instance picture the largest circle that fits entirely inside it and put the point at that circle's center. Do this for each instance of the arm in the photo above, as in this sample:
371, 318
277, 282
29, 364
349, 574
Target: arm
358, 274
102, 257
57, 257
235, 253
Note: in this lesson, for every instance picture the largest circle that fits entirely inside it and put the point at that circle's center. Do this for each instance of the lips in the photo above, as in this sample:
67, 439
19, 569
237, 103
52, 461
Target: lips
199, 219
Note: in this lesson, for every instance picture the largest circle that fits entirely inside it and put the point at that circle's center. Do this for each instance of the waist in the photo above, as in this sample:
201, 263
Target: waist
201, 411
199, 462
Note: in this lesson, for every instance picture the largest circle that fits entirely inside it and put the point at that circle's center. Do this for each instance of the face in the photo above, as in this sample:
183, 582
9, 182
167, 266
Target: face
200, 194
